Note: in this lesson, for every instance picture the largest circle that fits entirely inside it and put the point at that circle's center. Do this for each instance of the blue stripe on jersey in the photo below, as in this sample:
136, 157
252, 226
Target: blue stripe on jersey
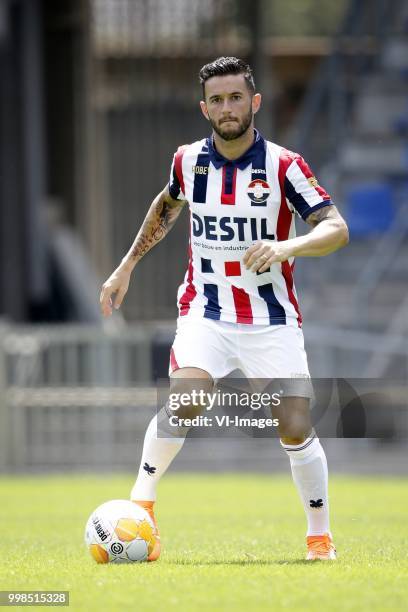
277, 315
201, 179
212, 310
259, 163
296, 199
259, 171
229, 178
174, 185
206, 266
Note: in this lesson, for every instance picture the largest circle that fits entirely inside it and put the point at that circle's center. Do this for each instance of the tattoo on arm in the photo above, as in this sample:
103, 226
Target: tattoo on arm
160, 218
326, 212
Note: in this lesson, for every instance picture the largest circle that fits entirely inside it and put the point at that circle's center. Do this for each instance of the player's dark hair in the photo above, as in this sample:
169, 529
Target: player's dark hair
227, 65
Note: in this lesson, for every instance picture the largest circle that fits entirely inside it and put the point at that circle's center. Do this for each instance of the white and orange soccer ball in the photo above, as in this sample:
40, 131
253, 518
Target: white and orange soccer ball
119, 531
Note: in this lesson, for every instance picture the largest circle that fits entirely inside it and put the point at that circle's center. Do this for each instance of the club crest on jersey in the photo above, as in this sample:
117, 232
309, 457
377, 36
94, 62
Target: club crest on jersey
313, 182
258, 192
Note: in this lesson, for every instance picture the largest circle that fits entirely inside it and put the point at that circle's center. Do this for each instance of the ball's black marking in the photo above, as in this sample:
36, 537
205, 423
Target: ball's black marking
116, 548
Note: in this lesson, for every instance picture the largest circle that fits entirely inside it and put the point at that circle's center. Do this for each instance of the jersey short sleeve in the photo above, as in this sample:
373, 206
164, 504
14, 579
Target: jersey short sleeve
302, 189
176, 182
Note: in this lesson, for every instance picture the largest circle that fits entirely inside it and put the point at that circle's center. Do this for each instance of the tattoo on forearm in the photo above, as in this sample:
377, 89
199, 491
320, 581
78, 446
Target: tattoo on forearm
159, 220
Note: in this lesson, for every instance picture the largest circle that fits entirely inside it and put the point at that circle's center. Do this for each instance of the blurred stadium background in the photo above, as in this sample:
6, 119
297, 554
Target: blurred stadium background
95, 97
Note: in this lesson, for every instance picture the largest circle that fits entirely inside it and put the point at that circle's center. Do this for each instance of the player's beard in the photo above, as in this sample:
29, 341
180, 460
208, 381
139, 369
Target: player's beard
233, 134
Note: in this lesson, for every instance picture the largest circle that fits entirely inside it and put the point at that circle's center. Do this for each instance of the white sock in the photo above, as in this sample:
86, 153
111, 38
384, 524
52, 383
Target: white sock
310, 474
159, 450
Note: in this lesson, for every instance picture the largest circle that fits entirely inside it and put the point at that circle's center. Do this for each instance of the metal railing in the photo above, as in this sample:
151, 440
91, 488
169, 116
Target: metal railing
79, 398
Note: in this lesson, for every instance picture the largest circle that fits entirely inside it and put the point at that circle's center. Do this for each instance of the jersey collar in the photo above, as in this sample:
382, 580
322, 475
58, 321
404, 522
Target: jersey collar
242, 162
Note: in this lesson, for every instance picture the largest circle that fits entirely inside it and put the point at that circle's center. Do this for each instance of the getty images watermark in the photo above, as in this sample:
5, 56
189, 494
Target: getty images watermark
222, 399
236, 407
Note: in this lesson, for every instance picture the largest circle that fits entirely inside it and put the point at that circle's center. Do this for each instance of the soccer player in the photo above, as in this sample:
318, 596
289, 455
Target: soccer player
238, 306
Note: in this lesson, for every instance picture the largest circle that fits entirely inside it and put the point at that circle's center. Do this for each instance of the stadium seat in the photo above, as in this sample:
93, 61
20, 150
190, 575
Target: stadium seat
370, 208
401, 123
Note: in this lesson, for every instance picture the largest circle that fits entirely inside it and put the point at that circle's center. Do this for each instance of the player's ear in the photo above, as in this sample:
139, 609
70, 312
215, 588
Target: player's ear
256, 102
204, 110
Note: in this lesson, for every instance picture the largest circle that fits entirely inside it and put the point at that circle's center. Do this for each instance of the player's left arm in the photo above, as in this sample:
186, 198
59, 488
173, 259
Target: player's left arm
329, 234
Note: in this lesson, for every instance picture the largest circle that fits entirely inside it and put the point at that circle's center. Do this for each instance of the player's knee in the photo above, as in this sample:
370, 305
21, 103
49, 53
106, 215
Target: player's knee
293, 441
189, 398
294, 425
294, 431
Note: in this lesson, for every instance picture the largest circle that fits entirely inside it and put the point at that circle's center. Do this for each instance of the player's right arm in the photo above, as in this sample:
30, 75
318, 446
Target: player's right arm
159, 220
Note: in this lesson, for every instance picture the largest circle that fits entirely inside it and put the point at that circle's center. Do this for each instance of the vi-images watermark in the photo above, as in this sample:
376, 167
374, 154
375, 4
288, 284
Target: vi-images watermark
223, 399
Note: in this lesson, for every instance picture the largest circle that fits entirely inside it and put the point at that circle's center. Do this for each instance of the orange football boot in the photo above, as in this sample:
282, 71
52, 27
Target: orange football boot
148, 506
320, 547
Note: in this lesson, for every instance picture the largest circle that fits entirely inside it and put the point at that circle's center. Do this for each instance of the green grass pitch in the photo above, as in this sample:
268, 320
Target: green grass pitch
231, 542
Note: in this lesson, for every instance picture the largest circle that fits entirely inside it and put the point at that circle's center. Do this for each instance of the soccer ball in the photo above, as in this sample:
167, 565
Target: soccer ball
119, 531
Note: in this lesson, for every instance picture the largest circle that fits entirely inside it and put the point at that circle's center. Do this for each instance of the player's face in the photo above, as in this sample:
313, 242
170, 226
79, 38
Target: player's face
229, 105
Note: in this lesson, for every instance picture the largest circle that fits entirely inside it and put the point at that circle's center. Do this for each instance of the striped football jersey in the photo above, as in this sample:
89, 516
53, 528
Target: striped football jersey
234, 204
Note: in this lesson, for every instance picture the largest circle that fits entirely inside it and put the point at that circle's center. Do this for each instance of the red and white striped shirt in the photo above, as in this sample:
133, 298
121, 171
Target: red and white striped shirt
233, 204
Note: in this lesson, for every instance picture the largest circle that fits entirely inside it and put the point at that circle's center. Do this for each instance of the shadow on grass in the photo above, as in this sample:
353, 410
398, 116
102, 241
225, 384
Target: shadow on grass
240, 562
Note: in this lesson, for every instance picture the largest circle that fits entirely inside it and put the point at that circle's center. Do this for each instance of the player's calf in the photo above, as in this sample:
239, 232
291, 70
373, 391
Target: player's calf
310, 475
164, 439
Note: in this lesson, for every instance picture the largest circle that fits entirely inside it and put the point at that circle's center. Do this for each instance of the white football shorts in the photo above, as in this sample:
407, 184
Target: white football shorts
259, 351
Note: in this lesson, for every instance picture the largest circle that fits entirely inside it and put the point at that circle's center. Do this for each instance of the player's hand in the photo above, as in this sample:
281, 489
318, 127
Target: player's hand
118, 283
261, 255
